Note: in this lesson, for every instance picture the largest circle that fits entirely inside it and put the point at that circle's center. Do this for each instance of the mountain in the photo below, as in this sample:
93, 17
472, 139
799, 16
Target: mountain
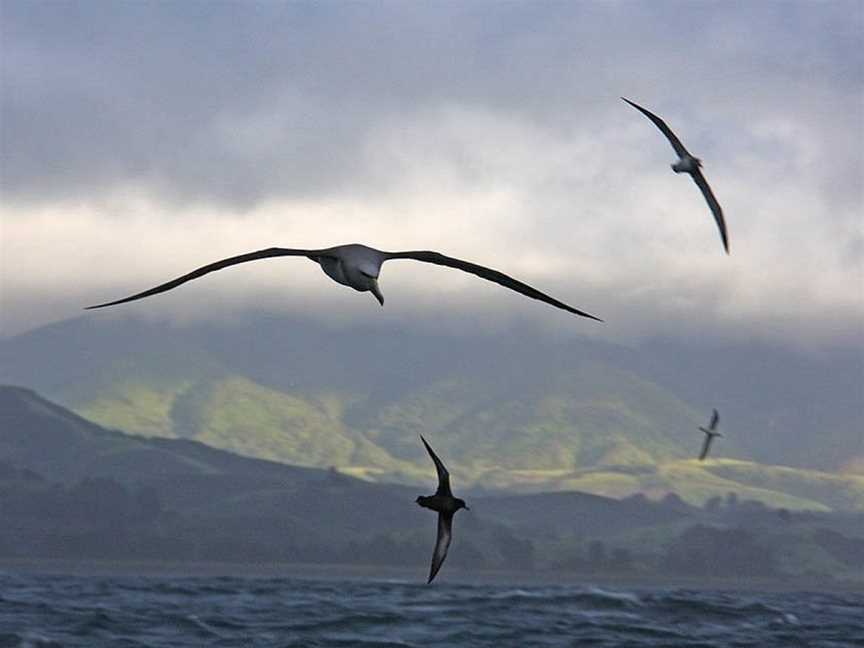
70, 489
511, 410
75, 488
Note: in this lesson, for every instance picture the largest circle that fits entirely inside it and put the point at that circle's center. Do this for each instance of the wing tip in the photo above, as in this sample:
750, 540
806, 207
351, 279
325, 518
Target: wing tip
588, 315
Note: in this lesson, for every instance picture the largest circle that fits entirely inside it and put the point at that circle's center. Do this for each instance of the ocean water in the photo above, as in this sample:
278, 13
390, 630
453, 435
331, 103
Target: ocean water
169, 611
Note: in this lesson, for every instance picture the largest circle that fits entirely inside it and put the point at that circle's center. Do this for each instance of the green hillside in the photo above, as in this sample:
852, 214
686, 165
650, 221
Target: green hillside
510, 413
597, 430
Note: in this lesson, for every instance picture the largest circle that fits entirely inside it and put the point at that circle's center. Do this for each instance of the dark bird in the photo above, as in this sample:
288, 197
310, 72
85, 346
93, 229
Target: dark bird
446, 505
710, 433
688, 164
358, 266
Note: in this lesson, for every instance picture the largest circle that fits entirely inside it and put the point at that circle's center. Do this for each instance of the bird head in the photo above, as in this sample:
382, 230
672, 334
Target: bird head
369, 272
460, 504
375, 290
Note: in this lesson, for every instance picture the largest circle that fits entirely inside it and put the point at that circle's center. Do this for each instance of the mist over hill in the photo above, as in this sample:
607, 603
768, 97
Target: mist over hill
515, 409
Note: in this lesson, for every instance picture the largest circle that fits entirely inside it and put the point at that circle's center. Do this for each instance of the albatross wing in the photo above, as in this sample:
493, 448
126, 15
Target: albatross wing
442, 544
715, 419
489, 274
706, 446
659, 123
213, 267
702, 183
443, 474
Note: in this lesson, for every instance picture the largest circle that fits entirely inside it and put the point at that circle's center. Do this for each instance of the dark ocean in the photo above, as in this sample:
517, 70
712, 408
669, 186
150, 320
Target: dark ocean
169, 611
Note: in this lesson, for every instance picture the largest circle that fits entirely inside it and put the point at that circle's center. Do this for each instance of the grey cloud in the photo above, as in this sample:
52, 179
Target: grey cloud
240, 102
385, 111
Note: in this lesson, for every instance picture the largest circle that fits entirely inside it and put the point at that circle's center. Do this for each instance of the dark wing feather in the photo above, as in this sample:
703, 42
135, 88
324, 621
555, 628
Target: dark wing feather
443, 474
659, 123
213, 267
705, 446
442, 544
485, 273
702, 183
715, 418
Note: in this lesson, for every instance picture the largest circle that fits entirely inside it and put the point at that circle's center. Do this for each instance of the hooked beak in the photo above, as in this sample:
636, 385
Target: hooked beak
373, 287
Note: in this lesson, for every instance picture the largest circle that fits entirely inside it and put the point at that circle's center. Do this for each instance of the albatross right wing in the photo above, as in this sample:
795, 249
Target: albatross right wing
213, 267
659, 123
706, 446
442, 544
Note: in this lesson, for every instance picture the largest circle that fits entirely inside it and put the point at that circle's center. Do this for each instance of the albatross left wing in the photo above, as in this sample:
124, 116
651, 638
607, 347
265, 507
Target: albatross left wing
443, 474
715, 419
702, 183
488, 274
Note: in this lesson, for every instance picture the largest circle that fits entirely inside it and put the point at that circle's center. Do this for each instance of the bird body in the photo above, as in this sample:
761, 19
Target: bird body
446, 506
358, 266
691, 165
687, 164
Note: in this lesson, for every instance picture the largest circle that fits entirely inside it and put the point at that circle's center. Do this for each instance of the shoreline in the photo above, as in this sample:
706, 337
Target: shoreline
408, 575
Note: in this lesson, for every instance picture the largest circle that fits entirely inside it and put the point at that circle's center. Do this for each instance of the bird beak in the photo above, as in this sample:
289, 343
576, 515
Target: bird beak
373, 286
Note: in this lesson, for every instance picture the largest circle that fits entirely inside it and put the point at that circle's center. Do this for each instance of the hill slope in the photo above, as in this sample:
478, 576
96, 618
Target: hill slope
512, 411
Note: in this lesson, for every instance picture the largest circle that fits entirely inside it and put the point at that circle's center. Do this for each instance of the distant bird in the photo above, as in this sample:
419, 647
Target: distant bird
710, 434
688, 164
358, 266
446, 505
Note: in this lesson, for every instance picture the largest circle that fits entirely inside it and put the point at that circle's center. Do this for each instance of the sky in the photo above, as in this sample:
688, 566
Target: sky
139, 141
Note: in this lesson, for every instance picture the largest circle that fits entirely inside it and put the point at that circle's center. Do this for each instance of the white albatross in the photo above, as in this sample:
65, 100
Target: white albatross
358, 266
688, 164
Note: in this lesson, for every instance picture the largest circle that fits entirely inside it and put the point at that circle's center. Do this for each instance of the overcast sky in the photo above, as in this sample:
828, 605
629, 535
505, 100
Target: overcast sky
141, 140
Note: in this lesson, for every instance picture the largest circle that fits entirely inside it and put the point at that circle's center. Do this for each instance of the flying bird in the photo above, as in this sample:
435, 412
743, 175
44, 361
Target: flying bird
358, 266
446, 505
688, 164
710, 433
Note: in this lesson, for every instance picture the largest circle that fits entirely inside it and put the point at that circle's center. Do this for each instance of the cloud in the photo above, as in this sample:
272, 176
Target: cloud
143, 140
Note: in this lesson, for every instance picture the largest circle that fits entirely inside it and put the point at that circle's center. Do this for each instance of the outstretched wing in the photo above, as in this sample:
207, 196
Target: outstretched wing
659, 123
213, 267
715, 419
702, 183
442, 544
485, 273
706, 446
443, 474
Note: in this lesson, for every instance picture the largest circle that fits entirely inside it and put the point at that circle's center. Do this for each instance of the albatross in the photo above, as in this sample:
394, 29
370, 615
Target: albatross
446, 505
358, 267
710, 433
688, 164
